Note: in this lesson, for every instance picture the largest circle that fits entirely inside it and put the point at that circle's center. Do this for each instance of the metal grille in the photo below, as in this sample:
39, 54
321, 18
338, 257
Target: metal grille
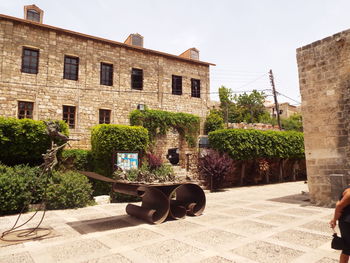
25, 110
69, 116
30, 60
136, 40
33, 15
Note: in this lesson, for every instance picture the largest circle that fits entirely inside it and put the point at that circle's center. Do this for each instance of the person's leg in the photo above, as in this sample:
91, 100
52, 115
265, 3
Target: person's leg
343, 258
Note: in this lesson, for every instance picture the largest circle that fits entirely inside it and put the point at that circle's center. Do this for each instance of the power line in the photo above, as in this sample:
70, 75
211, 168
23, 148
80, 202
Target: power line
279, 93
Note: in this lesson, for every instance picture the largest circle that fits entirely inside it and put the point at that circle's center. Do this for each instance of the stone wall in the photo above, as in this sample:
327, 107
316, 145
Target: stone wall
49, 91
324, 78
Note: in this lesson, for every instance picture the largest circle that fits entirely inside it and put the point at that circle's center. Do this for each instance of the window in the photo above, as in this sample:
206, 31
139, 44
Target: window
69, 116
137, 79
30, 60
195, 88
25, 110
176, 85
33, 15
71, 67
106, 74
104, 116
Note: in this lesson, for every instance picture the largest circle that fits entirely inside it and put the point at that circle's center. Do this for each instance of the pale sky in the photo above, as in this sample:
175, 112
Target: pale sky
245, 39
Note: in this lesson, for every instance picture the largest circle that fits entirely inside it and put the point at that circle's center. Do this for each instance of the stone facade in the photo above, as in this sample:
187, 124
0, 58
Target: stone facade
49, 91
324, 77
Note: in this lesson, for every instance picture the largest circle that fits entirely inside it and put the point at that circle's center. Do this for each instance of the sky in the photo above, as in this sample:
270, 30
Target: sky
245, 39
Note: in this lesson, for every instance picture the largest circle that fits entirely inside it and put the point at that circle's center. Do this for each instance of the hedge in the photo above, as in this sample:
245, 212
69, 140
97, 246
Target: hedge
22, 185
109, 138
76, 159
25, 140
243, 144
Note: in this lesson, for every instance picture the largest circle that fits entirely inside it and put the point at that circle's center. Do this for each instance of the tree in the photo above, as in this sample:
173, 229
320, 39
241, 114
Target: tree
214, 121
227, 105
250, 106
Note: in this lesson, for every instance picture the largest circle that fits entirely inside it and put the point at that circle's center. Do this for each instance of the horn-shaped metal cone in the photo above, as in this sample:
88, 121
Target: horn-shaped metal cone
192, 197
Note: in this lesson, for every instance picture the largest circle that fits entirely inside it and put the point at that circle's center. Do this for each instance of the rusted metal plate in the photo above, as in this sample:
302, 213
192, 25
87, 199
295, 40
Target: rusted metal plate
159, 201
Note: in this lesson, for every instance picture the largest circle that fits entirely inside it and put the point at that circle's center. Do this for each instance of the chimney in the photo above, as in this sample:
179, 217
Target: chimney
191, 53
134, 40
33, 13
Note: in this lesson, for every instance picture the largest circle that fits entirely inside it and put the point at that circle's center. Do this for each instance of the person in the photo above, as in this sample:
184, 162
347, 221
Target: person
342, 215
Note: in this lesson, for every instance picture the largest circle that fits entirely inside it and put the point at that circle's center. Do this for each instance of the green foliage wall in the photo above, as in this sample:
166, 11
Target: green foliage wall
243, 144
25, 140
158, 121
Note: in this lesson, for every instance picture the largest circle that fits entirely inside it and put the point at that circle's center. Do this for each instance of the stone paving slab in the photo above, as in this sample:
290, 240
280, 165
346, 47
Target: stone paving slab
267, 223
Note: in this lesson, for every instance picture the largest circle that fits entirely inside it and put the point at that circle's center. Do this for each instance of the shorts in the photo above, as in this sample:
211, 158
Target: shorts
345, 234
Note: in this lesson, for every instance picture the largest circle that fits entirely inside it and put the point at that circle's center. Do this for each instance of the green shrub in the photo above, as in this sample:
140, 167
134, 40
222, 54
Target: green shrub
293, 123
22, 185
243, 144
19, 186
213, 122
69, 190
25, 140
77, 159
159, 122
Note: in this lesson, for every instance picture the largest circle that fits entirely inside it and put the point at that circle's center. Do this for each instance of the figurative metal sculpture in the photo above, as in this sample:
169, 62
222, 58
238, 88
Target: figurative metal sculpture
15, 234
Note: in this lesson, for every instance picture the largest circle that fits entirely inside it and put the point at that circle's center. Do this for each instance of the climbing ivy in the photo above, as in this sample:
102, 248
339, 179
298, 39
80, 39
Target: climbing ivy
159, 122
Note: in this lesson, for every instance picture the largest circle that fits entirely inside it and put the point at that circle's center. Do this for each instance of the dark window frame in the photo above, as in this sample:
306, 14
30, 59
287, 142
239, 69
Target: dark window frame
33, 15
25, 110
32, 66
176, 85
71, 70
69, 115
195, 88
106, 74
104, 116
137, 79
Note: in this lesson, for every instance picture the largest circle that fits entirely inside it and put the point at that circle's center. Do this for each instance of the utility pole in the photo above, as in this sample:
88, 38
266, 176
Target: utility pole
275, 97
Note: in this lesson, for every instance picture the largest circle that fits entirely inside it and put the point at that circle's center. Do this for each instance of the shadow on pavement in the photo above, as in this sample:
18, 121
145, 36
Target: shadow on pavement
103, 224
303, 199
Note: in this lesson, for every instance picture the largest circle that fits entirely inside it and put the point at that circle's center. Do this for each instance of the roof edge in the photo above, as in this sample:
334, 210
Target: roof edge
104, 40
324, 40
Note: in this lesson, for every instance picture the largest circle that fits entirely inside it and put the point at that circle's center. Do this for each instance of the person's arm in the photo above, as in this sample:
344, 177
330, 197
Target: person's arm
340, 205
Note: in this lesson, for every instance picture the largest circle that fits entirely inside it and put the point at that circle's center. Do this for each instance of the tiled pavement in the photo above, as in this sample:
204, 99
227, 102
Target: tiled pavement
271, 223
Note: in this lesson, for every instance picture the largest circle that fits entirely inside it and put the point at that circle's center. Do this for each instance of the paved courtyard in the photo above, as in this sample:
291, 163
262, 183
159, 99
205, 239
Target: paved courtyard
272, 223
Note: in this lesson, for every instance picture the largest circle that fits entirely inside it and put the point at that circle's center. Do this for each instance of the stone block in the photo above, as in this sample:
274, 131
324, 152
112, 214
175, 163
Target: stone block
338, 183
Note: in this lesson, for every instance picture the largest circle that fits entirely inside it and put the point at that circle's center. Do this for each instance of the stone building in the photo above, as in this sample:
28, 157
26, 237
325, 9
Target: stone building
52, 73
286, 109
324, 77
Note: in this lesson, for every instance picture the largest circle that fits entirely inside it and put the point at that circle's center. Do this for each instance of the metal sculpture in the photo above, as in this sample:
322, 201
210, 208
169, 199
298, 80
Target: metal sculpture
15, 234
159, 201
